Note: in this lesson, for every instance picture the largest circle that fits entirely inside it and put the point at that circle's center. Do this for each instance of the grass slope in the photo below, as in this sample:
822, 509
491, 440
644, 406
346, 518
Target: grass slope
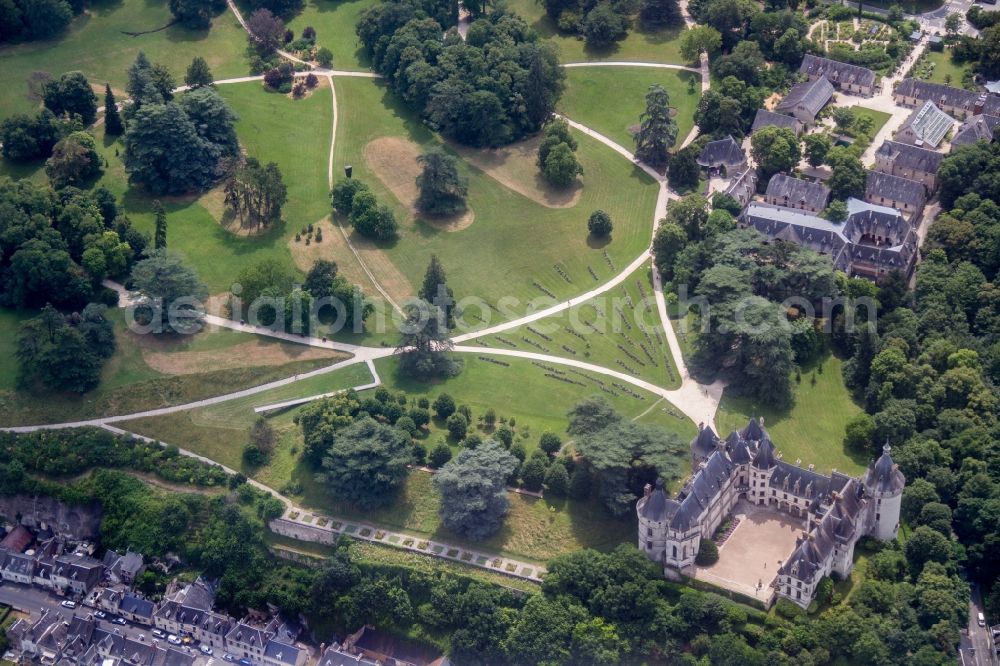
96, 45
514, 241
586, 99
606, 331
813, 428
640, 46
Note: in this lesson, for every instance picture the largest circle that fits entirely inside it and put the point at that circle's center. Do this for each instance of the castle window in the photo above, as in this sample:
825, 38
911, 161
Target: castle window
675, 552
649, 531
649, 545
878, 516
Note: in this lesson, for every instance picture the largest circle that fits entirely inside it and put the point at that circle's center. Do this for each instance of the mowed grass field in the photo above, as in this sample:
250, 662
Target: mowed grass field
812, 430
640, 46
96, 44
516, 247
607, 331
147, 372
334, 21
610, 99
946, 70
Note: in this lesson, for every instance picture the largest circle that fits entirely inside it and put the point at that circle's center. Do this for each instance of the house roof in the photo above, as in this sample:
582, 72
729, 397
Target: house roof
796, 192
910, 157
883, 476
699, 492
837, 72
810, 95
929, 124
976, 128
335, 656
136, 605
765, 118
656, 506
17, 539
281, 652
724, 152
895, 188
942, 95
705, 441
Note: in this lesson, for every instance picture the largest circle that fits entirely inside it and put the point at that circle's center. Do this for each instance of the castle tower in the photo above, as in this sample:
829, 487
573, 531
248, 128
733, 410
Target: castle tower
653, 513
884, 486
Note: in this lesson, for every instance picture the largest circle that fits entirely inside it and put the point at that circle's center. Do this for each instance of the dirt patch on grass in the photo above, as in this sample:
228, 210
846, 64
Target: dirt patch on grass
394, 161
514, 167
772, 101
248, 354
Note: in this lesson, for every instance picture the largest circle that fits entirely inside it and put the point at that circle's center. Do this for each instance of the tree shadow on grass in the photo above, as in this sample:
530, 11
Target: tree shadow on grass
415, 128
598, 242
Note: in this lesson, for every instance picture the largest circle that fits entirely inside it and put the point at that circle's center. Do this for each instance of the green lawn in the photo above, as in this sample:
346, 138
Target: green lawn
514, 241
606, 331
639, 46
586, 99
812, 430
95, 44
334, 21
129, 383
945, 70
879, 118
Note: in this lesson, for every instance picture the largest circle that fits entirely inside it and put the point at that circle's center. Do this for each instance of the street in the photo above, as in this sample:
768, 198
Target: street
977, 647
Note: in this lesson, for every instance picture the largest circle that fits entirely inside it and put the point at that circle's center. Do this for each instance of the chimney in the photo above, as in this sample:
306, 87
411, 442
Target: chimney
647, 490
701, 426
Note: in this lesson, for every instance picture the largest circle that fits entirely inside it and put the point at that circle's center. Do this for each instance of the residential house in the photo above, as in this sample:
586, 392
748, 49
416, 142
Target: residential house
724, 153
335, 655
387, 649
136, 609
906, 161
956, 102
247, 641
844, 76
806, 99
277, 653
18, 568
765, 118
17, 540
976, 128
743, 186
903, 194
75, 574
927, 126
203, 625
122, 568
783, 190
872, 242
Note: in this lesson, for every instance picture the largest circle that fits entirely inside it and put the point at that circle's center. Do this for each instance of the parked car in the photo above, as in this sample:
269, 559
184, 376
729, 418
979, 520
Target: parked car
228, 657
119, 620
159, 633
68, 604
981, 620
173, 640
100, 614
246, 662
205, 650
142, 637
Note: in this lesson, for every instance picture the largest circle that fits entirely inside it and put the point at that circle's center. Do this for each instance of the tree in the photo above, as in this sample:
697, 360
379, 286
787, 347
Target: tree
424, 343
473, 490
457, 426
926, 545
817, 146
843, 117
579, 483
198, 74
266, 30
557, 480
255, 193
371, 219
550, 443
836, 211
668, 241
366, 463
45, 18
74, 161
196, 14
444, 406
599, 224
660, 13
169, 294
953, 24
859, 433
561, 166
112, 119
71, 94
435, 290
319, 279
848, 176
160, 226
165, 154
701, 38
213, 120
603, 26
690, 213
684, 172
324, 57
53, 353
533, 473
775, 149
442, 189
439, 456
708, 553
25, 138
657, 130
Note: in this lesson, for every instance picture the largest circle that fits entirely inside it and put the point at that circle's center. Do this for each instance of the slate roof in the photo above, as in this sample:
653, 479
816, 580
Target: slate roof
657, 507
837, 527
724, 152
765, 118
248, 635
766, 457
811, 95
943, 95
884, 476
705, 442
895, 188
795, 191
929, 123
976, 128
910, 157
281, 652
136, 606
698, 494
18, 564
801, 481
333, 656
838, 73
754, 430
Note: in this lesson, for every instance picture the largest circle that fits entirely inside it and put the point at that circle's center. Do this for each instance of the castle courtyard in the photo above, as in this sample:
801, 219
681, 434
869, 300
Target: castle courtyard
763, 539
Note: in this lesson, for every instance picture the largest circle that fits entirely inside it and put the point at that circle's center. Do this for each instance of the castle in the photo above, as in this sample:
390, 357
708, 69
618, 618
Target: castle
836, 510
